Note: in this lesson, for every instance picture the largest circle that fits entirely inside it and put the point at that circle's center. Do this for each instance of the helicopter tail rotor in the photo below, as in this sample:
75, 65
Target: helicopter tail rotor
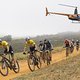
47, 11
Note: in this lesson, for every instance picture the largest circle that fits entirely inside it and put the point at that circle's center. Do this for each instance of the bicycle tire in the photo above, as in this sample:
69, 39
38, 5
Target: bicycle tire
48, 58
4, 67
48, 61
67, 51
16, 69
77, 48
43, 57
39, 63
29, 64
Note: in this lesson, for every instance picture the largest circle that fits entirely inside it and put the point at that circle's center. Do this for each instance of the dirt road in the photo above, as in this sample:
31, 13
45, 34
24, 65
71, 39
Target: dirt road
24, 68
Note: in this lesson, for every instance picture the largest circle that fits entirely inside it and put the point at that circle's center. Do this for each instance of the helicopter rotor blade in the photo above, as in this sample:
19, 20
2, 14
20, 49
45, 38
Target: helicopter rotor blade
68, 5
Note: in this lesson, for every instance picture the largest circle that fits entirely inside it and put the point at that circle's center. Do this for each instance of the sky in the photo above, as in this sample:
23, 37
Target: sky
21, 18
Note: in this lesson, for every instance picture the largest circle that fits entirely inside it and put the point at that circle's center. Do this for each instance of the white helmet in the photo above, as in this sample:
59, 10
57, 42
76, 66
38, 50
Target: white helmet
27, 38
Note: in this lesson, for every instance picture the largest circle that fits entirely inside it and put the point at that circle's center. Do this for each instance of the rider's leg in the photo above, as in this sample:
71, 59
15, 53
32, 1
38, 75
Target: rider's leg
32, 50
12, 54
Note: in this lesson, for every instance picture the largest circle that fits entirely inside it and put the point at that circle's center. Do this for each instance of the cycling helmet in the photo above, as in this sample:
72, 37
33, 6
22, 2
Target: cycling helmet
27, 38
45, 39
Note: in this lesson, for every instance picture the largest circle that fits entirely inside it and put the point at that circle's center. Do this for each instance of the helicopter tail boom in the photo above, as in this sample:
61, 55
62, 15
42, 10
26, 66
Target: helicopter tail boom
56, 13
59, 13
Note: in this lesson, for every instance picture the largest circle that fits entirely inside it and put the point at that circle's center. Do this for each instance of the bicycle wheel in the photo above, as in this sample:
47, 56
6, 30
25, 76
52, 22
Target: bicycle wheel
67, 51
4, 68
42, 57
16, 67
31, 64
77, 48
39, 62
48, 58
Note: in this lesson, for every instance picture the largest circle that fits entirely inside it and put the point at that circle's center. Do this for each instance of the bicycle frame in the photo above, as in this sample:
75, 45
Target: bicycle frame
9, 63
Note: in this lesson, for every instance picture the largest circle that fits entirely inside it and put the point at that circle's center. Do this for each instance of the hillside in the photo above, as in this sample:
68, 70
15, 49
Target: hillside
68, 69
56, 40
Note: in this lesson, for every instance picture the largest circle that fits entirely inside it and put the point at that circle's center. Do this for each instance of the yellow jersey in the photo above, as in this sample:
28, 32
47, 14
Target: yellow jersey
30, 43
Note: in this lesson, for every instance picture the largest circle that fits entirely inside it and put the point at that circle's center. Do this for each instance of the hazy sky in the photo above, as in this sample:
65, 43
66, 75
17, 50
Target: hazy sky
27, 17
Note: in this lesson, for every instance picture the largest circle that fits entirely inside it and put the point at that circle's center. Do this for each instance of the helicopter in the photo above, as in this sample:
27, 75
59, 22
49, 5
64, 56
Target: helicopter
73, 17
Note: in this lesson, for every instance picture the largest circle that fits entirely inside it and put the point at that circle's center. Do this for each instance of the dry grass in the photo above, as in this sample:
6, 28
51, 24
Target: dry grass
68, 69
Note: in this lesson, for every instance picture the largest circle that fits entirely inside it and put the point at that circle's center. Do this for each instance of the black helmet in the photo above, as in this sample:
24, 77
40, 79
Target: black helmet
40, 41
45, 39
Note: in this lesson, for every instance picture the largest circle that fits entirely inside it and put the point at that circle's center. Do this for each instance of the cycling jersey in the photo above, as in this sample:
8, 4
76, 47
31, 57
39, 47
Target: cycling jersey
30, 43
66, 43
77, 42
47, 45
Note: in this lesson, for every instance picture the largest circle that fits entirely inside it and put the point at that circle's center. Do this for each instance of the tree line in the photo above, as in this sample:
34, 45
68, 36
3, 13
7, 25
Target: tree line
57, 40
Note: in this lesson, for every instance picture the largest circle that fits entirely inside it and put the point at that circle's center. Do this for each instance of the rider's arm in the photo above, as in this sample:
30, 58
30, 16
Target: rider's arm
24, 50
7, 48
25, 47
36, 47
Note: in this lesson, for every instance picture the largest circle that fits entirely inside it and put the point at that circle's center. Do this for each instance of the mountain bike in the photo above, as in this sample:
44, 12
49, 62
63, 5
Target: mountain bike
46, 56
33, 60
7, 63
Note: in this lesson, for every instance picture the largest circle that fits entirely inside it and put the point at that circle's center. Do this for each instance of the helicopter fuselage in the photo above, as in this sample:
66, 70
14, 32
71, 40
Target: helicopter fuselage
75, 17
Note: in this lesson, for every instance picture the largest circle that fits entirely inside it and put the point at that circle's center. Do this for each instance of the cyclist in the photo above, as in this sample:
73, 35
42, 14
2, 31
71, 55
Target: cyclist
47, 46
77, 44
7, 48
31, 44
71, 46
67, 45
